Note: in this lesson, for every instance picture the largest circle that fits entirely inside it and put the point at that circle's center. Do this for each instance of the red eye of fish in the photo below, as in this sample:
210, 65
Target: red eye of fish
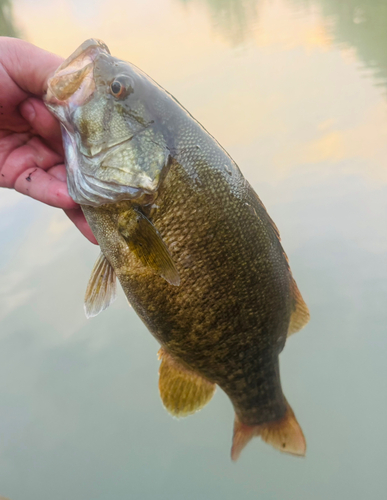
122, 86
117, 88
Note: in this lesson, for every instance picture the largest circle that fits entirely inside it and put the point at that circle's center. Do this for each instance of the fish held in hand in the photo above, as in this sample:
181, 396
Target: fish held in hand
192, 245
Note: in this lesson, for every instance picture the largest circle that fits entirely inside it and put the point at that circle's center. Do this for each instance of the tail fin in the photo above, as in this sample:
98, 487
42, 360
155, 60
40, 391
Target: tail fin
285, 435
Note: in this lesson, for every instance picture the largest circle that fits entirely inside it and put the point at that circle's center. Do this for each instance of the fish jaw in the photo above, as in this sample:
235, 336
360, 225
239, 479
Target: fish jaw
86, 189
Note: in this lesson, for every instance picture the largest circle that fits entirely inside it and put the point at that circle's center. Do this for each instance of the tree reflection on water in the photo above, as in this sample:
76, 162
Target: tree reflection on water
234, 20
362, 24
7, 27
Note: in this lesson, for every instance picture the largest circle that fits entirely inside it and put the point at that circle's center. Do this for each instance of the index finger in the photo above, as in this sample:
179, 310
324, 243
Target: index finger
42, 186
28, 65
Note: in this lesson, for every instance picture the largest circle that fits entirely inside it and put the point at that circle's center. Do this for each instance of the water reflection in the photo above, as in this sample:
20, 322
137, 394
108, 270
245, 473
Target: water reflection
234, 20
79, 399
7, 27
363, 25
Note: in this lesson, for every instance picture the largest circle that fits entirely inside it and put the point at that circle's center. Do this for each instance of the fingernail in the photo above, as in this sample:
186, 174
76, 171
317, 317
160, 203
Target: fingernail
28, 111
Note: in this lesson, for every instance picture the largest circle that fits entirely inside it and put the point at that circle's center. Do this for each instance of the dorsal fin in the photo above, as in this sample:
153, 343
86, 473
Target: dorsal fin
300, 315
101, 289
182, 390
265, 214
284, 434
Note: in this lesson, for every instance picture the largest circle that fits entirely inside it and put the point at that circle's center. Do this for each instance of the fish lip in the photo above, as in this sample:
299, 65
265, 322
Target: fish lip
92, 44
81, 62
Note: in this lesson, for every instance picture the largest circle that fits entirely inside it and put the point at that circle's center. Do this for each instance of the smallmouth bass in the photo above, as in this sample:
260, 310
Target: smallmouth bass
190, 242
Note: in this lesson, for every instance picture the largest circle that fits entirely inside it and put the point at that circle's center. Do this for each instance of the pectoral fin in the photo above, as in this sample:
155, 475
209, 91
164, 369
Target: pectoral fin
182, 390
101, 289
146, 242
300, 315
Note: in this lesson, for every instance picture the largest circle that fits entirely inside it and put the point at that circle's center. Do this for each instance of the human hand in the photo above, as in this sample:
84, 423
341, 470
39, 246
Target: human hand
31, 153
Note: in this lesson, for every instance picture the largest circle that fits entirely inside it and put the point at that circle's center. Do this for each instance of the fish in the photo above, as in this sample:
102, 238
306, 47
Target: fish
189, 240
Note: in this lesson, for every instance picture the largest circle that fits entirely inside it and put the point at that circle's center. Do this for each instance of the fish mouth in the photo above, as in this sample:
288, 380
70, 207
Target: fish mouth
74, 78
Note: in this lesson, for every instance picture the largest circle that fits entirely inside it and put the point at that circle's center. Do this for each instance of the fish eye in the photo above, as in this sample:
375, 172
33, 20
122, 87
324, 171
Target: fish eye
121, 86
116, 88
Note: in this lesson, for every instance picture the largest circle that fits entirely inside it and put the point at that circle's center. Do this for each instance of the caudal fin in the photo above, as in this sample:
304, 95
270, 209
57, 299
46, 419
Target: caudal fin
285, 435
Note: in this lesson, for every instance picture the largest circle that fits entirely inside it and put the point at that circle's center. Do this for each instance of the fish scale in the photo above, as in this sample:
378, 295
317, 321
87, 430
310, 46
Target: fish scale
197, 255
195, 326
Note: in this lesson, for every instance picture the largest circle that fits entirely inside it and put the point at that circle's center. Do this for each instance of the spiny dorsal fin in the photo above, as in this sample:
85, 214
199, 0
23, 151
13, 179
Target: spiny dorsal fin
284, 434
182, 390
101, 289
264, 212
300, 315
146, 242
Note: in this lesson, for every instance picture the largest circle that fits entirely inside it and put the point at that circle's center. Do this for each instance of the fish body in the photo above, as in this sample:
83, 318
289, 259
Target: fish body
190, 242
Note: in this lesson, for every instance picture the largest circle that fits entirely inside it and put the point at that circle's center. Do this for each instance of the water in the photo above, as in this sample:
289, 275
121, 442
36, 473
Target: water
295, 90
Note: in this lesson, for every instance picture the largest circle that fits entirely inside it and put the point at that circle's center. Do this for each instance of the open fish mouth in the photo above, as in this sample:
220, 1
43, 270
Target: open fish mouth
74, 78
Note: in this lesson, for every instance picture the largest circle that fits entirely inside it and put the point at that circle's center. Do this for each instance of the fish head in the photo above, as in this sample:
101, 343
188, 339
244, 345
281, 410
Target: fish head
112, 131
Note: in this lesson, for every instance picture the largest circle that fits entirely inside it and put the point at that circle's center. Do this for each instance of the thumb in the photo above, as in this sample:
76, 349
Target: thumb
27, 65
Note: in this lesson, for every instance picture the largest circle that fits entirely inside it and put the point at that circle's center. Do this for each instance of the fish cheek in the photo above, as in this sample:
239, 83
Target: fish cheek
101, 123
89, 123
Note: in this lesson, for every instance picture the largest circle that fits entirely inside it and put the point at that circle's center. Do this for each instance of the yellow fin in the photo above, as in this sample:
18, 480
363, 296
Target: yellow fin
284, 434
146, 242
101, 289
182, 391
300, 315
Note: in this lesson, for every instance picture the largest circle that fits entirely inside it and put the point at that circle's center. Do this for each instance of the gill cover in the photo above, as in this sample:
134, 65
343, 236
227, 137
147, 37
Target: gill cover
115, 149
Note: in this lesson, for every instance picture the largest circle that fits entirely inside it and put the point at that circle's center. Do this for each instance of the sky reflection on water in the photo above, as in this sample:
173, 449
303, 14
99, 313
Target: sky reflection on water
282, 85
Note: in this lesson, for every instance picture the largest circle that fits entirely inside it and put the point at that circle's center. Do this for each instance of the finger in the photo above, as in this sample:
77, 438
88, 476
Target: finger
20, 152
77, 217
11, 95
27, 65
76, 214
59, 172
42, 186
42, 122
9, 142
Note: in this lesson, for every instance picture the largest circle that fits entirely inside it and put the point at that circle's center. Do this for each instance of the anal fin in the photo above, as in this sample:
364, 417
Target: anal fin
300, 315
182, 390
101, 289
284, 434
